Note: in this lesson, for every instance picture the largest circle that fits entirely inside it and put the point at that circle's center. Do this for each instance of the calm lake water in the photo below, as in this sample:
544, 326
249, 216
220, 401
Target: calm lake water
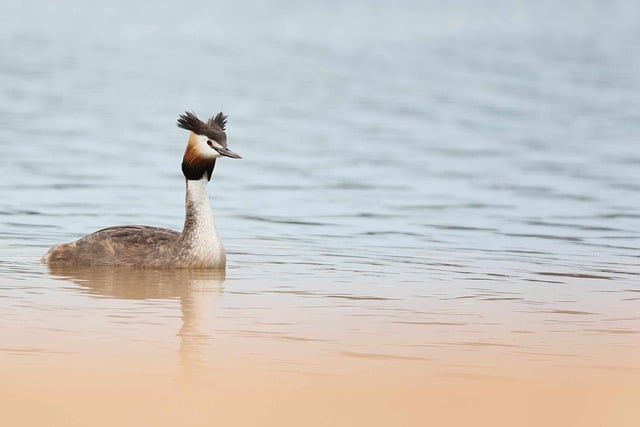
447, 188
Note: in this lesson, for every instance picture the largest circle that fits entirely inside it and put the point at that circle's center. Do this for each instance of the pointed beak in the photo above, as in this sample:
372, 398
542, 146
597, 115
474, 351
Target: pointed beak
227, 153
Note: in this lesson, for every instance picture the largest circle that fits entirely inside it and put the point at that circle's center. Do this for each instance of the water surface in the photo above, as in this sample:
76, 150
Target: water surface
430, 194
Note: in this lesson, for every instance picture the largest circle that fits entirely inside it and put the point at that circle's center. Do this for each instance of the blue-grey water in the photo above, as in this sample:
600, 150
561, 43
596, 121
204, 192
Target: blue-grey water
420, 178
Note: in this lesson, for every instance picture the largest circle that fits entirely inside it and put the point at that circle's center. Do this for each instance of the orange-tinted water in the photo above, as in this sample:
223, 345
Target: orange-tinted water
168, 348
133, 391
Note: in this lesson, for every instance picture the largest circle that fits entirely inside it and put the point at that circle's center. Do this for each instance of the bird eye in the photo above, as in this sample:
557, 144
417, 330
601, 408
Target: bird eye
209, 143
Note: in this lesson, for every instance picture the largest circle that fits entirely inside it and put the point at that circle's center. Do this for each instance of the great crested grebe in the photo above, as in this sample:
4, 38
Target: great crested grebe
197, 246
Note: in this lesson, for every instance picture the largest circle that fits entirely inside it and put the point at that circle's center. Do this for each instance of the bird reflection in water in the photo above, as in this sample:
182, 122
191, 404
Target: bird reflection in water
197, 291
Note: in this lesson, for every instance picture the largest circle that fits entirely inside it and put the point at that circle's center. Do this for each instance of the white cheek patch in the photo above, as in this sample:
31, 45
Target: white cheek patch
203, 148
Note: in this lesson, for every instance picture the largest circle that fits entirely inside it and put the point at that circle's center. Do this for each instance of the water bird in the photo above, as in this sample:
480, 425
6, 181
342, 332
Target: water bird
197, 246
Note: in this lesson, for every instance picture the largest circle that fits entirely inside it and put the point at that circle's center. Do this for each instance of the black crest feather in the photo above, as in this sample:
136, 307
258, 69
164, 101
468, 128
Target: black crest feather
213, 128
220, 120
190, 121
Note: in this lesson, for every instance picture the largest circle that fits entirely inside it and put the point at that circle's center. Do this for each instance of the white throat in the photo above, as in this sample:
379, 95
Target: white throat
200, 232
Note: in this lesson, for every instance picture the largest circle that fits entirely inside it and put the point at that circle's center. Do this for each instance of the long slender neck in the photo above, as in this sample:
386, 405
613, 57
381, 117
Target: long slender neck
198, 220
200, 237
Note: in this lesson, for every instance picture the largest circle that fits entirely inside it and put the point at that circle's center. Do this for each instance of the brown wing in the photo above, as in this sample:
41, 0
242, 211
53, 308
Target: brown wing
133, 235
131, 245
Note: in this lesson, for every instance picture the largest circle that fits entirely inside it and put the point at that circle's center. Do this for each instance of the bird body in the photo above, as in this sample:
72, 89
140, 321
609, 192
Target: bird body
197, 246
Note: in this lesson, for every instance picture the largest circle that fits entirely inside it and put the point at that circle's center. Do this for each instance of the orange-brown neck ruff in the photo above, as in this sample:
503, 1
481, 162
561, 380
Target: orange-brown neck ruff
194, 165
